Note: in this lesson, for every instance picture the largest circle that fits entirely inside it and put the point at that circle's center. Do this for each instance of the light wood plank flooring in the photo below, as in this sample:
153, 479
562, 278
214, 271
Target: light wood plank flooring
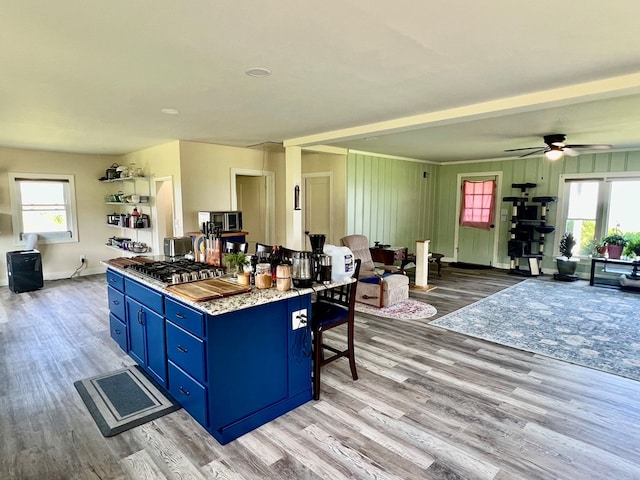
429, 404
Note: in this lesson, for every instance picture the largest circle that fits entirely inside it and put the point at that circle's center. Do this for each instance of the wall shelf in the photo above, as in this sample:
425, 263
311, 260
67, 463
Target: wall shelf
129, 186
127, 228
129, 252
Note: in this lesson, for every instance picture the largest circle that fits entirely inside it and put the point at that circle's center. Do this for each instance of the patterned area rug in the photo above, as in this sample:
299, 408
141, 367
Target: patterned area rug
590, 326
406, 310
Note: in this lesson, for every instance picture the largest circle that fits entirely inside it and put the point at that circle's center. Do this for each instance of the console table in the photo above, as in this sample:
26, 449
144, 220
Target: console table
388, 255
602, 266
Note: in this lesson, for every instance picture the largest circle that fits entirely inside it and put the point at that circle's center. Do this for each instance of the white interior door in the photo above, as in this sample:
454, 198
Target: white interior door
317, 204
251, 195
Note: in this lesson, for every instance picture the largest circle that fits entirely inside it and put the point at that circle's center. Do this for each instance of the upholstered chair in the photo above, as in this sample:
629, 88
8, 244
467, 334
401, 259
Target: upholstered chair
375, 287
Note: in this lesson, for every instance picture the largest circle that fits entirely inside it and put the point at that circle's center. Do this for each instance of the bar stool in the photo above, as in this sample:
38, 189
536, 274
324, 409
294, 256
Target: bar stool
235, 247
334, 307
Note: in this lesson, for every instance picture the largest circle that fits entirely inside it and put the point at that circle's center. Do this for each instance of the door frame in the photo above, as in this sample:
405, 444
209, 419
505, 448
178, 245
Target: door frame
306, 176
496, 233
270, 200
153, 191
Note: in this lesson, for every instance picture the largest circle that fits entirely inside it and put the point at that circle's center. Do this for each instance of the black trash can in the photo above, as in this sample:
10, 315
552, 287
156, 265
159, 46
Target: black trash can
24, 269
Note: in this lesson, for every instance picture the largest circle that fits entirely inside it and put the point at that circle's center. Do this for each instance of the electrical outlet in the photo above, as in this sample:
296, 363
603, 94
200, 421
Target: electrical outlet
83, 258
299, 319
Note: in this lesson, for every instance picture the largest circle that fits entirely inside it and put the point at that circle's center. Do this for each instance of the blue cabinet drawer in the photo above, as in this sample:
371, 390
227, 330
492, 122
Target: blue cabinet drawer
186, 351
118, 331
148, 297
115, 280
188, 318
116, 302
188, 393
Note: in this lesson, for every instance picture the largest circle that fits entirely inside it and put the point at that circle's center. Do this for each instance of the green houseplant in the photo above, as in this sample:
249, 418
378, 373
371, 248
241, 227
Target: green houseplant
615, 243
632, 248
236, 261
566, 265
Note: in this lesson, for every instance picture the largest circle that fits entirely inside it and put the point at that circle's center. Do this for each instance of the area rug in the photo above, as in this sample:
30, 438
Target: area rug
123, 399
591, 326
406, 310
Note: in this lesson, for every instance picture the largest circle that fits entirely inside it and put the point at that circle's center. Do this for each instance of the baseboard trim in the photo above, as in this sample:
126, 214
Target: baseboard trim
61, 275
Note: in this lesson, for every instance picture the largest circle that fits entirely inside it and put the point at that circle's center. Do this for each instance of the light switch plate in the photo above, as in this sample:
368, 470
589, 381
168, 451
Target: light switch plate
299, 319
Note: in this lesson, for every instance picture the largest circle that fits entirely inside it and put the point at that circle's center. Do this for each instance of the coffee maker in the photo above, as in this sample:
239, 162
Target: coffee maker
320, 260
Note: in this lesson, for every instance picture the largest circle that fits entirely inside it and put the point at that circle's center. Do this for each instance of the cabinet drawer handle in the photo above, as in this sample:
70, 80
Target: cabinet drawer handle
116, 302
117, 332
179, 315
184, 392
182, 349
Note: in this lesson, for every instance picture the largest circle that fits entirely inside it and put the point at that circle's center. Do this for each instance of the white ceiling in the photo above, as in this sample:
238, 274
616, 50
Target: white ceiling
440, 80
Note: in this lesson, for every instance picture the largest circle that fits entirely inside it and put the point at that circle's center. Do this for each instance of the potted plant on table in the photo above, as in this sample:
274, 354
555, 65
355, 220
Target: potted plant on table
615, 243
567, 265
236, 261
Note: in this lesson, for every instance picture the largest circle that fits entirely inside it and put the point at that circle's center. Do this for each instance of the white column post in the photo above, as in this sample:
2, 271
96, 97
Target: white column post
293, 177
422, 263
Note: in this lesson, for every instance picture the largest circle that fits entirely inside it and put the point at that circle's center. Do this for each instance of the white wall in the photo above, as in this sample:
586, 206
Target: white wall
60, 260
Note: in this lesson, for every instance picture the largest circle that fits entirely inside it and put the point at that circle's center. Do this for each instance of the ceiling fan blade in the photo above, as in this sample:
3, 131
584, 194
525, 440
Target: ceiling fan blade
520, 149
540, 150
594, 146
570, 151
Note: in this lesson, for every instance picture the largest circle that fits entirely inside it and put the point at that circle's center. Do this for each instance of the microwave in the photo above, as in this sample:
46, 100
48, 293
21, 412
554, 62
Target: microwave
224, 221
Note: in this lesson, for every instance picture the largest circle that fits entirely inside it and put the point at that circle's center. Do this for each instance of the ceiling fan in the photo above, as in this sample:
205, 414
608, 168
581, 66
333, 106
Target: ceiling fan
556, 148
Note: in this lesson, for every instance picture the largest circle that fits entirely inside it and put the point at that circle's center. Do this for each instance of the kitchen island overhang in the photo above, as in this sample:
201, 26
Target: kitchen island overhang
233, 363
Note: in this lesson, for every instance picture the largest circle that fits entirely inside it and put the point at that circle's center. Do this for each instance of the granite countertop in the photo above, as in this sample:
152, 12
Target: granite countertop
232, 303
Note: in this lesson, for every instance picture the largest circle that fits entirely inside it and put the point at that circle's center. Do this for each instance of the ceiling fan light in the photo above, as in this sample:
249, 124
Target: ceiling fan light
554, 154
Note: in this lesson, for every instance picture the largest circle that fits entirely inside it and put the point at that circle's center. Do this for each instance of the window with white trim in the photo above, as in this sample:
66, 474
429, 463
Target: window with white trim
43, 204
596, 205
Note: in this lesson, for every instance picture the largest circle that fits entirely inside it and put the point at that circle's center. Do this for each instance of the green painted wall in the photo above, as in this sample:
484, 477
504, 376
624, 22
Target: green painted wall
540, 171
389, 200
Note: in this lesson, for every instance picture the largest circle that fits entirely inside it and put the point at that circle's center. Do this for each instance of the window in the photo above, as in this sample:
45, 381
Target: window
595, 207
477, 204
43, 204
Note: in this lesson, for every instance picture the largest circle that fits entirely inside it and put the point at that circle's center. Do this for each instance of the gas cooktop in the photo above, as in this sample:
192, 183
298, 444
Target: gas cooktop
177, 271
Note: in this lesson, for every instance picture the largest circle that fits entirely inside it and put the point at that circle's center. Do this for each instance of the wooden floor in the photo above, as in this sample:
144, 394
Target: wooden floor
429, 404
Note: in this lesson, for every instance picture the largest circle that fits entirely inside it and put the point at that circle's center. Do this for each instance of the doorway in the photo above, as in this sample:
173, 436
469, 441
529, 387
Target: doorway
163, 211
253, 194
251, 197
476, 245
317, 204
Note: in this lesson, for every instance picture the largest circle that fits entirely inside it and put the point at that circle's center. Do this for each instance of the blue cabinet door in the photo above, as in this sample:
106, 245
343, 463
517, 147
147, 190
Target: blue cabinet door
137, 339
147, 340
156, 347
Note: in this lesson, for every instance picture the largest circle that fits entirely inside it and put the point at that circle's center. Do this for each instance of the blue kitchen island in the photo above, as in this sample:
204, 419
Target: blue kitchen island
233, 363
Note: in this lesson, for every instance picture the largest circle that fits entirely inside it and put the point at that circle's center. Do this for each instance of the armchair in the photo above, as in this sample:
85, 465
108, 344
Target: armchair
375, 288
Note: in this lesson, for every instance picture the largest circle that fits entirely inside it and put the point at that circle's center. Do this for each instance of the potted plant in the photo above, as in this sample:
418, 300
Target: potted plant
632, 248
615, 243
599, 248
567, 265
236, 261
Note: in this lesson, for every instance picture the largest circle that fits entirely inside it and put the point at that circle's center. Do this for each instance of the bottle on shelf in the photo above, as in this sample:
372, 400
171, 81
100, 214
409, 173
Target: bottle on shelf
133, 220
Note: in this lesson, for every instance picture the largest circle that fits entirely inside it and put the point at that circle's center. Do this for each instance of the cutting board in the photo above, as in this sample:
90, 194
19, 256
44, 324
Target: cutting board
123, 262
208, 289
